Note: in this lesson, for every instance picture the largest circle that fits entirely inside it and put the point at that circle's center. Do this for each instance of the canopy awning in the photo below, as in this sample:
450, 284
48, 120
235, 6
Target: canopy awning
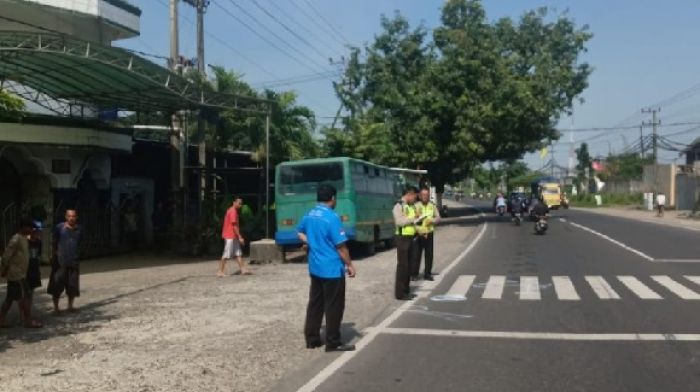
74, 71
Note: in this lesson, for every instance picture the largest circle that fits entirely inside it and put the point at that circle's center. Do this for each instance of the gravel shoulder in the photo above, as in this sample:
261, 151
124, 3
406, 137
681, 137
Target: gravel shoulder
176, 327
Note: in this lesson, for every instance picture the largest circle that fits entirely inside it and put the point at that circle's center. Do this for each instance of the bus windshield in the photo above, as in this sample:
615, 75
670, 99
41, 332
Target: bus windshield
306, 178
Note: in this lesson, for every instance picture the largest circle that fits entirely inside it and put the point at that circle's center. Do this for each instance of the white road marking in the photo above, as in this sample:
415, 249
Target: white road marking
494, 287
601, 287
372, 333
565, 288
529, 288
675, 287
692, 278
460, 287
607, 337
676, 260
614, 241
638, 288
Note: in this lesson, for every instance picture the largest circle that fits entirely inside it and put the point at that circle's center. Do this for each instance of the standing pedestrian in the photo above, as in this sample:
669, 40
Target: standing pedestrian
660, 204
233, 240
426, 233
405, 220
34, 268
321, 231
13, 267
65, 269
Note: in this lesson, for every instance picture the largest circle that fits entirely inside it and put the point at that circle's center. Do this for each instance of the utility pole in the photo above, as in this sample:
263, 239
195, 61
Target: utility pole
641, 141
654, 136
201, 6
178, 137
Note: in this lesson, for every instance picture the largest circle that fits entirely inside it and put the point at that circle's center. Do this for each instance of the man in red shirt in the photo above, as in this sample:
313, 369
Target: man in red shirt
231, 233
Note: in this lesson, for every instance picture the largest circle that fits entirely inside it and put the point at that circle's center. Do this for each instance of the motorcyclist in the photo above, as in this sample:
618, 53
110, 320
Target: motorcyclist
540, 209
500, 203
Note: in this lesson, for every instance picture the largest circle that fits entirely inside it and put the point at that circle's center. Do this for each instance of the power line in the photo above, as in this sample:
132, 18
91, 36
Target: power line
226, 45
316, 36
297, 80
269, 42
329, 24
284, 26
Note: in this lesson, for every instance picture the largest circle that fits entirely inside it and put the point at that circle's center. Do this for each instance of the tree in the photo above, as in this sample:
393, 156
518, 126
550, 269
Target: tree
291, 125
583, 167
11, 106
478, 92
625, 167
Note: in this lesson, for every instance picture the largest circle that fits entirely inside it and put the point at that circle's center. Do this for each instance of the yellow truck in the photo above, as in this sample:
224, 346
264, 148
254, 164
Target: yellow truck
549, 190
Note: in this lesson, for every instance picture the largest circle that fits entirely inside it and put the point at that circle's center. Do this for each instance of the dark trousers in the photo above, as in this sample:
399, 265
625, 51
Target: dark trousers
326, 296
424, 245
405, 253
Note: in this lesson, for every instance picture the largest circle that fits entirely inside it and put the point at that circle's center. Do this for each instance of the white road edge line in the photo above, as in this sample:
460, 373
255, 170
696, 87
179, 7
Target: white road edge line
371, 334
614, 241
632, 337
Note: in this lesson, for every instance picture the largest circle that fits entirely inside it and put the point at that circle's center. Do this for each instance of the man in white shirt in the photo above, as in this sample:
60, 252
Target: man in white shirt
660, 204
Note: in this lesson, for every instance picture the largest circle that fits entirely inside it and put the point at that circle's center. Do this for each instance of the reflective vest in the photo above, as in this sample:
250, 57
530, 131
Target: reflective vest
429, 211
410, 230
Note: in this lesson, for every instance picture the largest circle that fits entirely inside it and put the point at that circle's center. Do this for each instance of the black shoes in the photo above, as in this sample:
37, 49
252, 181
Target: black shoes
312, 345
414, 278
342, 347
428, 277
407, 297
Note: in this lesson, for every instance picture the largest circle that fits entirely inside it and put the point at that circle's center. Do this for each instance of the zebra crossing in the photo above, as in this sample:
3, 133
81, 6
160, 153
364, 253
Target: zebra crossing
531, 288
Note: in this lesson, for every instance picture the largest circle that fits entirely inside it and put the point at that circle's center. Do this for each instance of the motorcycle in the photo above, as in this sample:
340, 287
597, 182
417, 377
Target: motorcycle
541, 225
518, 218
501, 210
565, 202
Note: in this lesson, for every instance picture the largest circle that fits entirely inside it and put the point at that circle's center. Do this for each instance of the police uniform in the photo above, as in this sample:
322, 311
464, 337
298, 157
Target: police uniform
404, 220
425, 238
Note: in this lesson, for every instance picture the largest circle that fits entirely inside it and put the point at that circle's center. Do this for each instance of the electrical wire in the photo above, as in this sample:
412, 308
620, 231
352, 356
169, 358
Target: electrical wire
287, 28
226, 45
320, 38
271, 32
329, 24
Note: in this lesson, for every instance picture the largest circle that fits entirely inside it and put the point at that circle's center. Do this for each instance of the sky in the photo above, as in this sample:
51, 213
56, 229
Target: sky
644, 53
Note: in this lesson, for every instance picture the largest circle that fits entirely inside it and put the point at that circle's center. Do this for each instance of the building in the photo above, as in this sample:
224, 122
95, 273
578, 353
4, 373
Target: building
74, 146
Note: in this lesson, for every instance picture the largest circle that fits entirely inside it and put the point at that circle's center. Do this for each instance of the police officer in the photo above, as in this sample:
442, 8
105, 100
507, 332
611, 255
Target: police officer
426, 230
322, 232
405, 220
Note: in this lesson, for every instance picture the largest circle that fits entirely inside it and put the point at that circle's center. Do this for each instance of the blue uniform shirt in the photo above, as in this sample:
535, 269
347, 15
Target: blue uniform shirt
324, 232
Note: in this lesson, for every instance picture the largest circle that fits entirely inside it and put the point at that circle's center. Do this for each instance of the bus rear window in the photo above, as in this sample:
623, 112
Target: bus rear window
306, 178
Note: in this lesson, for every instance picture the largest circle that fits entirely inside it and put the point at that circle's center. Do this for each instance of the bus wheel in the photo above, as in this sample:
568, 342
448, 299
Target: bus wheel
370, 248
389, 243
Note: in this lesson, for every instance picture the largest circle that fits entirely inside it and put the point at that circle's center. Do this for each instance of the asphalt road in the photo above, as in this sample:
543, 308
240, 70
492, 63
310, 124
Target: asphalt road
597, 304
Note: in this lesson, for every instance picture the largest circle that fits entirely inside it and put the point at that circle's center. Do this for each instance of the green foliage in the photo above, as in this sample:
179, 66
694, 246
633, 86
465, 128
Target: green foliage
583, 167
609, 200
11, 106
625, 167
475, 91
291, 124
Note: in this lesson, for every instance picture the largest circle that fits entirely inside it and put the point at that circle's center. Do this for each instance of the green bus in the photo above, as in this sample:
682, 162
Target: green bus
366, 195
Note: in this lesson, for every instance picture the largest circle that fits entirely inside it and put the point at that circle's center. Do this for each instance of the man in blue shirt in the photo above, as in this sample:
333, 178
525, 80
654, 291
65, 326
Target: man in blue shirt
322, 232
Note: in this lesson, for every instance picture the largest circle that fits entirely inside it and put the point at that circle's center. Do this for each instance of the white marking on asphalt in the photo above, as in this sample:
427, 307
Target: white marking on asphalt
529, 288
341, 360
562, 220
638, 288
601, 287
692, 278
460, 287
614, 241
565, 288
607, 337
675, 287
677, 260
494, 287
